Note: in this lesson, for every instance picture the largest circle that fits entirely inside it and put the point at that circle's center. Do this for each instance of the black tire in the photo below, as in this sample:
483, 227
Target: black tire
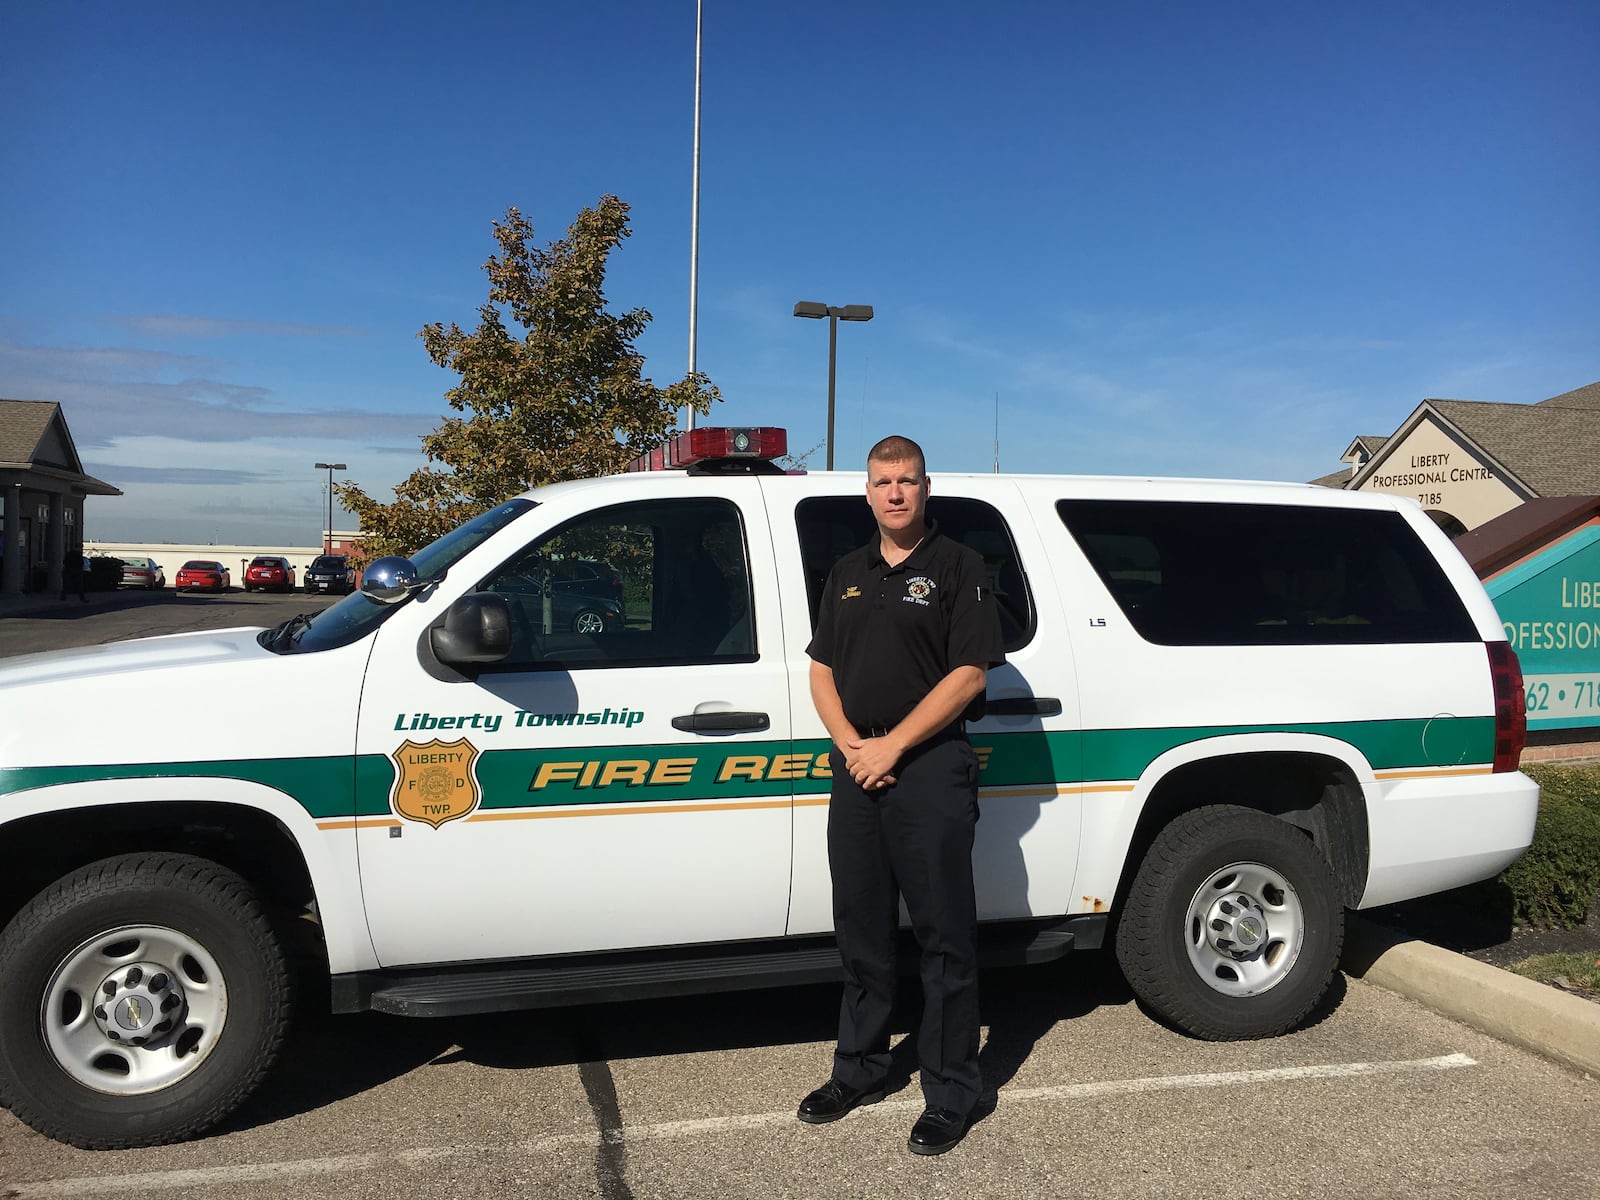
1188, 940
219, 968
589, 621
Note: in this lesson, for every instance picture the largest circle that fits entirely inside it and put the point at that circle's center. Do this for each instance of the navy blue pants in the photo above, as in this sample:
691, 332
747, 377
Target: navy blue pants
913, 839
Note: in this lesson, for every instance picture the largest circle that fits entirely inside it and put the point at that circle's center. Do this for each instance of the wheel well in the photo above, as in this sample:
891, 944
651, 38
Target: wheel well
36, 851
1313, 792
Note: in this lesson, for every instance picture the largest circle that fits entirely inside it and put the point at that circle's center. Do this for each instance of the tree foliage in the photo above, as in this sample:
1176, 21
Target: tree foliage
566, 399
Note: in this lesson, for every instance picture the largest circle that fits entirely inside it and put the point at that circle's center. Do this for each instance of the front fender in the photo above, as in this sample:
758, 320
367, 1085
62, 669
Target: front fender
327, 844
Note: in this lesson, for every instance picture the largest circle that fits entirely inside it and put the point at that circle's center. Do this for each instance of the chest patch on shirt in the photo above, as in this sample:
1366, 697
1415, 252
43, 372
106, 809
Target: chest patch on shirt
851, 593
918, 589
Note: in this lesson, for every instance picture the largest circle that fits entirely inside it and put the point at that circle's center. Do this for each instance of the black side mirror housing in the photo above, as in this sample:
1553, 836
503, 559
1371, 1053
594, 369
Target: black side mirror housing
475, 629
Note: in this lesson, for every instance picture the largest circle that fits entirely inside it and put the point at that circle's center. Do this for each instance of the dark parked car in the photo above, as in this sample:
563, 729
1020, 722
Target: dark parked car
269, 572
330, 573
203, 575
589, 576
142, 573
570, 609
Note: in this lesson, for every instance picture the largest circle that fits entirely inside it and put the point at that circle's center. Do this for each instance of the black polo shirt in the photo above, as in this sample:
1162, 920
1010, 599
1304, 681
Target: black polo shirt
890, 634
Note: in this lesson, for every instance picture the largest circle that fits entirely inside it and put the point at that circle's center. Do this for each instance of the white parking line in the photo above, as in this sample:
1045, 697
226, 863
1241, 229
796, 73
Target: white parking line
306, 1167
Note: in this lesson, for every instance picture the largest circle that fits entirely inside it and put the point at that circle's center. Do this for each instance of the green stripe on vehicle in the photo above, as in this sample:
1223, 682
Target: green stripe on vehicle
527, 778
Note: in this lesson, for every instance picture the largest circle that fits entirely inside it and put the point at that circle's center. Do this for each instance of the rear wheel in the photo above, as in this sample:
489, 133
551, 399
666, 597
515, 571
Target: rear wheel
146, 996
1233, 925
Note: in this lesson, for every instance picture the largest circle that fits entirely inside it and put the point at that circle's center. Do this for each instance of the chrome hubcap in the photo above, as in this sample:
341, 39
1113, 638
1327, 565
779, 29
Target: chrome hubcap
1245, 927
134, 1009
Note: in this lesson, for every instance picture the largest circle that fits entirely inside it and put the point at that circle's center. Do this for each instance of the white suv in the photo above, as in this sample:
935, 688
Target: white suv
1228, 712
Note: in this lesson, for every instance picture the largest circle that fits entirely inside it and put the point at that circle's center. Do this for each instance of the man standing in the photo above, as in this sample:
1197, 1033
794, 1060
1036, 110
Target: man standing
905, 635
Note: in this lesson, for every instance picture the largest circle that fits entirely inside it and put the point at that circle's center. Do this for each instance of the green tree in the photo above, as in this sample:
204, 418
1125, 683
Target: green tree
567, 399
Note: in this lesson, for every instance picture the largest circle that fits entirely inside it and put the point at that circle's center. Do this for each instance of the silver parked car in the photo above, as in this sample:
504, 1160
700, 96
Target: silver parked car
142, 573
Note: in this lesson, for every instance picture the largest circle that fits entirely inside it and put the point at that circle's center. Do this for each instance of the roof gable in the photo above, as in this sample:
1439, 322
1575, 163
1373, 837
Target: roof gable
29, 426
1554, 449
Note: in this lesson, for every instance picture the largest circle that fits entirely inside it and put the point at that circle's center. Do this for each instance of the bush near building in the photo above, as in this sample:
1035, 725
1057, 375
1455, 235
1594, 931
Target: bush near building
104, 574
1556, 884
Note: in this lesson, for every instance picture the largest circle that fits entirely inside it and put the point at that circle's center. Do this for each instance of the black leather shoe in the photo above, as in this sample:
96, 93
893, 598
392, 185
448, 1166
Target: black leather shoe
937, 1130
834, 1099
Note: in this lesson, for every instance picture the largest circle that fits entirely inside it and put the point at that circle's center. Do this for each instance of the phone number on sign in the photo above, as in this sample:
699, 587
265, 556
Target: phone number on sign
1563, 695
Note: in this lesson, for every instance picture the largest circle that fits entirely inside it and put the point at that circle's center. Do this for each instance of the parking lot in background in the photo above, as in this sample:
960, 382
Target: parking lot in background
695, 1097
114, 616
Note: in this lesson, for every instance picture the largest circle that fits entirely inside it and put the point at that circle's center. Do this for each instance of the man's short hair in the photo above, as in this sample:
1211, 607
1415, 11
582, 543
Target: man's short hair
895, 448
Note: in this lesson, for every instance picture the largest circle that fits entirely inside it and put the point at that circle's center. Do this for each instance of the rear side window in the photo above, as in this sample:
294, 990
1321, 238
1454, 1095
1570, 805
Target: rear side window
1199, 574
831, 526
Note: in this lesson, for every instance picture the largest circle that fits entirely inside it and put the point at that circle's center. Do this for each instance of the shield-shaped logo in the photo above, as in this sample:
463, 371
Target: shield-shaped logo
433, 781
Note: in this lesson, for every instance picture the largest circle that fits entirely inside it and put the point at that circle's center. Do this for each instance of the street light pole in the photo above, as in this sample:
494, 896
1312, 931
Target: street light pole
835, 314
330, 468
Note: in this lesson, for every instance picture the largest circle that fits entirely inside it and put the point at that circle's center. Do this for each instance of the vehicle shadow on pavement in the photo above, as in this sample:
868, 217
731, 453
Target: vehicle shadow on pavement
331, 1059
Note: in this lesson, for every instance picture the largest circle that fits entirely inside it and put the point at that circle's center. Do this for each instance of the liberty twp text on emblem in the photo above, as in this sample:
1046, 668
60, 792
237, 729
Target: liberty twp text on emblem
433, 781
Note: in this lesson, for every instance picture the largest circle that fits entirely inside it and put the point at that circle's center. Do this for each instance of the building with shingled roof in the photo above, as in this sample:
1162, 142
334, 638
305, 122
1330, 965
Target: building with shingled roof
1469, 461
42, 491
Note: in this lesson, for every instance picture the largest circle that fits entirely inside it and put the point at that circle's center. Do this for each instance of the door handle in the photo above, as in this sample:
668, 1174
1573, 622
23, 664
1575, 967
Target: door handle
723, 722
1023, 706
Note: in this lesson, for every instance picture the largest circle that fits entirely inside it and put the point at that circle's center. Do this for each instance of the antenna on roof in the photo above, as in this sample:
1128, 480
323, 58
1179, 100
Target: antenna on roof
997, 432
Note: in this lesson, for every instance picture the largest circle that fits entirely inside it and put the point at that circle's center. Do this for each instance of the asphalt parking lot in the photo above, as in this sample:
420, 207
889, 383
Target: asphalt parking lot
1375, 1096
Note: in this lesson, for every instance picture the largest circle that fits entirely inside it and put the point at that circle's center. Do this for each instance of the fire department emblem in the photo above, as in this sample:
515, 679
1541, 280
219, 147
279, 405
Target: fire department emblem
920, 589
433, 781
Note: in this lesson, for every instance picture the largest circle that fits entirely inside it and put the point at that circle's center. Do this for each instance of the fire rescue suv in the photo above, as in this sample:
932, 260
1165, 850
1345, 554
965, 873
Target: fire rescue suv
567, 754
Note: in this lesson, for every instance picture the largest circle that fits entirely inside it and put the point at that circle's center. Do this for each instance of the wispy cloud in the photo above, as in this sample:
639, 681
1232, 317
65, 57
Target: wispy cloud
187, 325
205, 476
20, 361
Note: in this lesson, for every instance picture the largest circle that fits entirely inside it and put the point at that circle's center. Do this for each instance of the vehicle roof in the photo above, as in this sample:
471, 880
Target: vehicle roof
1110, 487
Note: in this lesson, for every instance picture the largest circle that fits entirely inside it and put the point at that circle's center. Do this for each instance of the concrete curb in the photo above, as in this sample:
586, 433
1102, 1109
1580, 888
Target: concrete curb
1532, 1015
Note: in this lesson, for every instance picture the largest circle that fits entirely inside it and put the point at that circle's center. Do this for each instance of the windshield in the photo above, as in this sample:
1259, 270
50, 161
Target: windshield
355, 616
328, 562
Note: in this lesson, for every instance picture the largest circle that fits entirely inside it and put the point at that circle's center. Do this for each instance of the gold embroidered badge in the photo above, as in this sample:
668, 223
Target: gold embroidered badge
851, 593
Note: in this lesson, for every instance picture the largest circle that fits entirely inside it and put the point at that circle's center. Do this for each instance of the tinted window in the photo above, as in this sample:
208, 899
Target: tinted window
831, 526
356, 615
654, 583
1247, 574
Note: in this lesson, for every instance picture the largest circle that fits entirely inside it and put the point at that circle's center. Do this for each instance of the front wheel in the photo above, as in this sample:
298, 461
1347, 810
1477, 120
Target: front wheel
588, 621
146, 996
1233, 925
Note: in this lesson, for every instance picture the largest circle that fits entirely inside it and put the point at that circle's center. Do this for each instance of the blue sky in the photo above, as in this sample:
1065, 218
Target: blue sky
1173, 238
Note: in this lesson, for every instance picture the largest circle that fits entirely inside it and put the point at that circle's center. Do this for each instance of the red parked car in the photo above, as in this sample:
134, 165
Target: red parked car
269, 572
203, 575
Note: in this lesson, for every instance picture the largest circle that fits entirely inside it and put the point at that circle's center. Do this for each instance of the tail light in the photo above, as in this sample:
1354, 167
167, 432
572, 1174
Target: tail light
1510, 706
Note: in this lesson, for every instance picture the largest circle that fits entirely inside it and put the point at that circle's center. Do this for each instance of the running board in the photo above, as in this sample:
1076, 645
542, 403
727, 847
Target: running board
636, 975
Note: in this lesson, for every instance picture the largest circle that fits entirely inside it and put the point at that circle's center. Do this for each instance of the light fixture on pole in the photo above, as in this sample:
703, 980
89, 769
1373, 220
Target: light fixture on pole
330, 468
835, 314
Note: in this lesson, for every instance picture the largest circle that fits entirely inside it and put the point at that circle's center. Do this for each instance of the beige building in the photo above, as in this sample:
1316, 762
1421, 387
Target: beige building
1469, 461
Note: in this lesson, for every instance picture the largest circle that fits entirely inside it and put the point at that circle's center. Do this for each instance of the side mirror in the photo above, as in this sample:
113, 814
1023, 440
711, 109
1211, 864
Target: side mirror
389, 580
475, 629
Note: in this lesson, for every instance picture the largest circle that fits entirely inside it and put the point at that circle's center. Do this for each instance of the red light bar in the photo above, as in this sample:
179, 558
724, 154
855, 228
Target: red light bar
714, 442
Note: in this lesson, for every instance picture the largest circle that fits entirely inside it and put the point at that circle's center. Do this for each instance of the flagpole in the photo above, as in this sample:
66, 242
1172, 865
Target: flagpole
694, 209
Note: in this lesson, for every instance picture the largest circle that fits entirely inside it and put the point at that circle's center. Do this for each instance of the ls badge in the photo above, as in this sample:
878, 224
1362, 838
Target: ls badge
434, 781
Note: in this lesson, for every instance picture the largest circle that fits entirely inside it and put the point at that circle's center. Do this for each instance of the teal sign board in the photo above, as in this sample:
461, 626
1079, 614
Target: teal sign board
1550, 606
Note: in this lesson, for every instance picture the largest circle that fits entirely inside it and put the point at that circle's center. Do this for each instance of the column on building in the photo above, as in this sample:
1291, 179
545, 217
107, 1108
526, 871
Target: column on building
13, 566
